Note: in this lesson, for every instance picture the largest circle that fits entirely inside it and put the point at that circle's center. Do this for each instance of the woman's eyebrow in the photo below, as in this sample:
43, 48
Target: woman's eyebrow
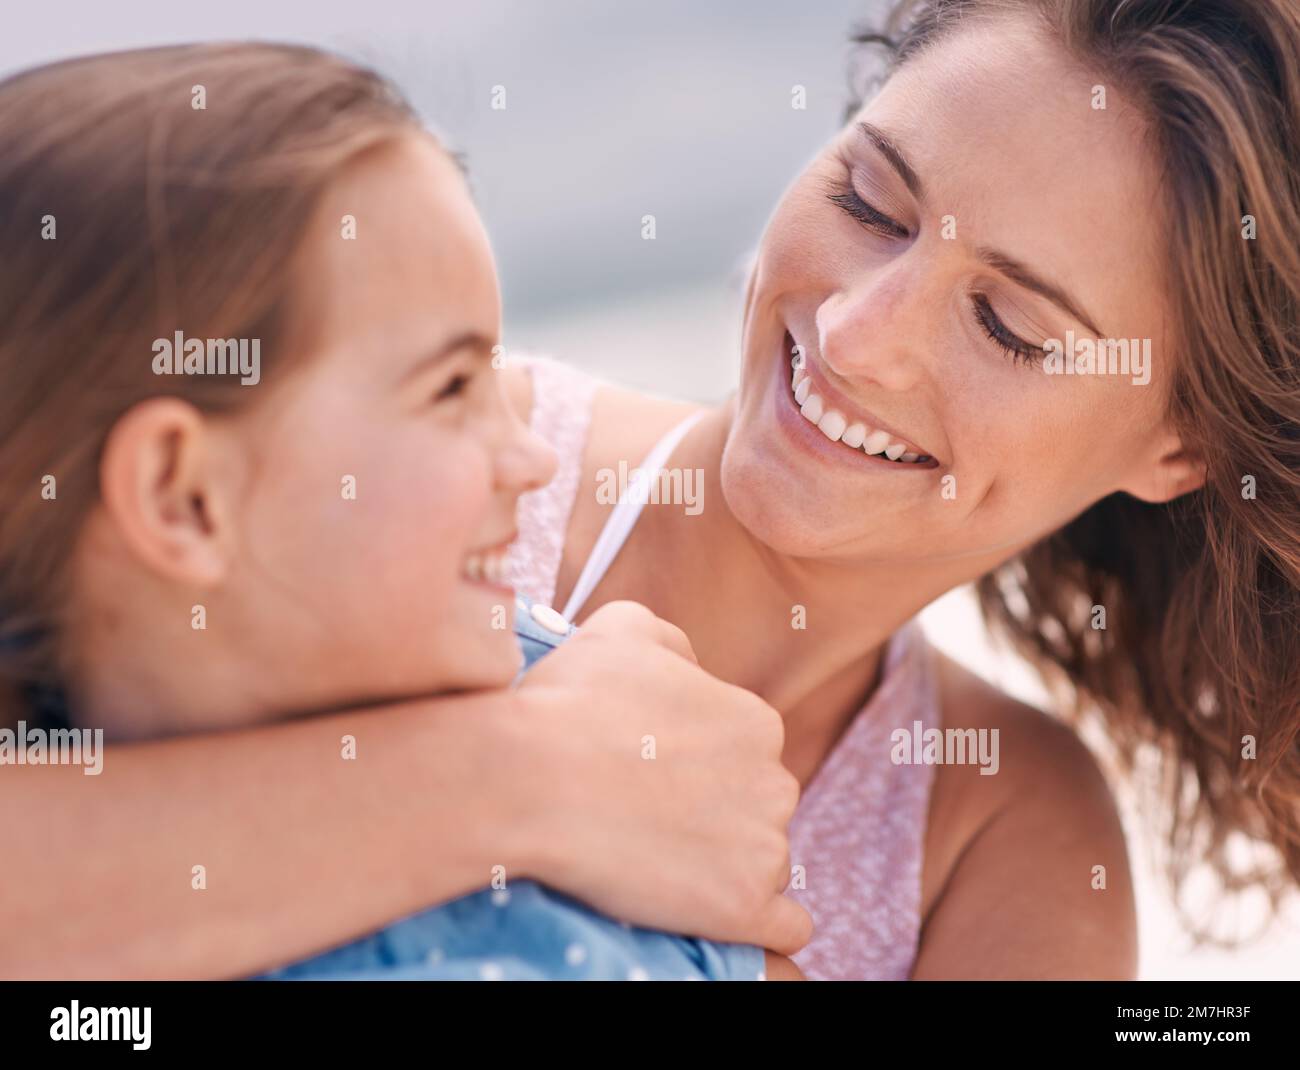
893, 156
1013, 269
1021, 275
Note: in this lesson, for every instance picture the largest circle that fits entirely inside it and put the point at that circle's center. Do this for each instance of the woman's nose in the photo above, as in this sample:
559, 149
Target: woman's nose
873, 329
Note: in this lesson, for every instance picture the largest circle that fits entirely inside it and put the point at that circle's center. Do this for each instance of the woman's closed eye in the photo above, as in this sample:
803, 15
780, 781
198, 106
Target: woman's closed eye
846, 198
1012, 344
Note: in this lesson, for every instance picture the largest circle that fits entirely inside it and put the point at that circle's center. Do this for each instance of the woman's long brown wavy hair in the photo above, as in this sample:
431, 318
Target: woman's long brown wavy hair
1199, 661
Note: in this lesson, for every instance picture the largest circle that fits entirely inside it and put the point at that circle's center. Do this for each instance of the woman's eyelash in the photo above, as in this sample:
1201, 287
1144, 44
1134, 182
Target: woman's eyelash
1015, 347
847, 199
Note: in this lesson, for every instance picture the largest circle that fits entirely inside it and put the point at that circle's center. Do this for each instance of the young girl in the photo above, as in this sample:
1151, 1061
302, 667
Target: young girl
295, 473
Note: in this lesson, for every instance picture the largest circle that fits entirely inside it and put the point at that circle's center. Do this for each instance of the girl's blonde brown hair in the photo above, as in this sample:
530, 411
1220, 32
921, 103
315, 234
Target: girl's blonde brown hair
1200, 655
142, 193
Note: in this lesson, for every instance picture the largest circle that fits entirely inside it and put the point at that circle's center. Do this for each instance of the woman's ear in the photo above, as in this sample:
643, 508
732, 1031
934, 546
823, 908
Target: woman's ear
161, 491
1168, 473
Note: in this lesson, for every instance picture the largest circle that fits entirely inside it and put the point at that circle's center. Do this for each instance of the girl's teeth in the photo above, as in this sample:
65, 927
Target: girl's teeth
876, 442
895, 450
802, 390
812, 408
854, 435
800, 374
485, 567
832, 425
910, 458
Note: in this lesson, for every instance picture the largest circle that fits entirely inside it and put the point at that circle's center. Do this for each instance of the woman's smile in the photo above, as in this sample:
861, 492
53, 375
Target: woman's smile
818, 419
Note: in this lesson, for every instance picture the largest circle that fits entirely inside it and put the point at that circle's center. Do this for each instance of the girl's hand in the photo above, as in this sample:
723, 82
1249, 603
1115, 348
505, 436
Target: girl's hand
652, 790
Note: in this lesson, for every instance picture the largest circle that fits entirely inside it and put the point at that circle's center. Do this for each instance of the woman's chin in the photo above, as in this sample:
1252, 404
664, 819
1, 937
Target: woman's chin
776, 508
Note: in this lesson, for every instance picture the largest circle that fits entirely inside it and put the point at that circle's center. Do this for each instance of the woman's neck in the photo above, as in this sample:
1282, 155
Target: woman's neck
805, 634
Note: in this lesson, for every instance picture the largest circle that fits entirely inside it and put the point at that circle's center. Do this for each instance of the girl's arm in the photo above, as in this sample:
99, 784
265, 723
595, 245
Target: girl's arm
303, 850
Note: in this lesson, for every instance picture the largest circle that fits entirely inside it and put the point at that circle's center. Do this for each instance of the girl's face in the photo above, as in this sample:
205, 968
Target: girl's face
378, 510
348, 527
981, 205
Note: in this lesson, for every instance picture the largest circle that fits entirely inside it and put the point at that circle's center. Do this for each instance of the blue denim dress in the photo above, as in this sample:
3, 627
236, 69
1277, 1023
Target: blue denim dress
524, 931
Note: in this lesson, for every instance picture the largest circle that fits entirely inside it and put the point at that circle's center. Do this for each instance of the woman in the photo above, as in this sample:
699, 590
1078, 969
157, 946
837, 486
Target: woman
994, 203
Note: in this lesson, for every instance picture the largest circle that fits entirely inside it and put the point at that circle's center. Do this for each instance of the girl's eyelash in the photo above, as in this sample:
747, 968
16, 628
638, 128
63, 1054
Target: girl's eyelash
847, 199
1015, 347
456, 386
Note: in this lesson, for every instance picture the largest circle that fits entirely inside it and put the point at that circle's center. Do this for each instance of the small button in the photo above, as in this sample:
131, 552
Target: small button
551, 620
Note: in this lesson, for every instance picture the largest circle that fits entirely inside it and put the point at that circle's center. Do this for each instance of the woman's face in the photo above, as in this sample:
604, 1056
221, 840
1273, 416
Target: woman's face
980, 206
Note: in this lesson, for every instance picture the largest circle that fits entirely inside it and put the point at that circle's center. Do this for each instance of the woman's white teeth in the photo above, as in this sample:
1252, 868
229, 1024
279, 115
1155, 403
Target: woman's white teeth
800, 374
832, 425
854, 435
835, 426
876, 442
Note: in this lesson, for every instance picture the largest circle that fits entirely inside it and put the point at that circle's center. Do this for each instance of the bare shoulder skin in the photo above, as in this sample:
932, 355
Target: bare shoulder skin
1011, 886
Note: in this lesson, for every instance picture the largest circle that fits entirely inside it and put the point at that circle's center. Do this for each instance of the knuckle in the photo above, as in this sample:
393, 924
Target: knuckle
632, 612
786, 792
768, 724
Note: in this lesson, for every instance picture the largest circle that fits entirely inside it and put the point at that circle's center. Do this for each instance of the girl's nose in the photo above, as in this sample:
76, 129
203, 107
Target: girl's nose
525, 461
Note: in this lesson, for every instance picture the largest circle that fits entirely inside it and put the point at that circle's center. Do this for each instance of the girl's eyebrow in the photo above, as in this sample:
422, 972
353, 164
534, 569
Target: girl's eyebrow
464, 340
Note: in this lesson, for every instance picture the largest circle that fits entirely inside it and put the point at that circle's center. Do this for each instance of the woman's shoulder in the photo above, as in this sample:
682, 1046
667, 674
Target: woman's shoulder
1034, 850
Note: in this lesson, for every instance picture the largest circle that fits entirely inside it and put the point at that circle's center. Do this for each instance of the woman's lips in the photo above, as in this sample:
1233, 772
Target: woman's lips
839, 424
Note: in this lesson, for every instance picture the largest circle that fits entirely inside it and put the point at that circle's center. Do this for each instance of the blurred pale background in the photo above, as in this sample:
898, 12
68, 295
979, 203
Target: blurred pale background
614, 112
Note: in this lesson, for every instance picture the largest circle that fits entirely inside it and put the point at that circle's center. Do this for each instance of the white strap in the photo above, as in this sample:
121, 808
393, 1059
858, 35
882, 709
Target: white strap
621, 520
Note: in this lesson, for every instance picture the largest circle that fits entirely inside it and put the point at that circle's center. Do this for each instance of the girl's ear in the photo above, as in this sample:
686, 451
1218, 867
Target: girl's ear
159, 487
1170, 472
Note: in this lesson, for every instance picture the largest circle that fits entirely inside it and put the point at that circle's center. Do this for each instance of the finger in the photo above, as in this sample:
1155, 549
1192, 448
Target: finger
675, 640
632, 618
784, 926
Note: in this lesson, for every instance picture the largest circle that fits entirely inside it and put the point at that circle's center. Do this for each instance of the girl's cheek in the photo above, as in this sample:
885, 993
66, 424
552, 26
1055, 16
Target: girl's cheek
460, 492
